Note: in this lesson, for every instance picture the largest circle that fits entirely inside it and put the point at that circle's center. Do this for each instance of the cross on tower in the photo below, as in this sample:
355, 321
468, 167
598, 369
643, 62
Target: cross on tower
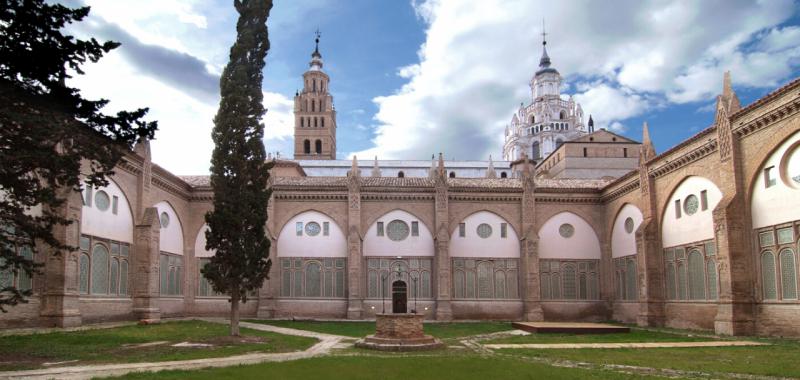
318, 34
544, 34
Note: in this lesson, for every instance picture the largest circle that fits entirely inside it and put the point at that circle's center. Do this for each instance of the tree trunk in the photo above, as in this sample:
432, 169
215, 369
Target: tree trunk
235, 313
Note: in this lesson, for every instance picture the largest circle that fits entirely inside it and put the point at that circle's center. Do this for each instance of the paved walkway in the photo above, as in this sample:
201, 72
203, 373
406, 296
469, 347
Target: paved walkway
326, 343
722, 343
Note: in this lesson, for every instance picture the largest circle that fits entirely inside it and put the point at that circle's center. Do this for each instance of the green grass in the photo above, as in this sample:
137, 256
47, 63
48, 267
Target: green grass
118, 345
780, 359
634, 336
362, 329
467, 367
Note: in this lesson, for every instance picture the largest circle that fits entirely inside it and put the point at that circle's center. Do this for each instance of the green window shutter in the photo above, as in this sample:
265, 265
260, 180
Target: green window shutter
788, 275
768, 275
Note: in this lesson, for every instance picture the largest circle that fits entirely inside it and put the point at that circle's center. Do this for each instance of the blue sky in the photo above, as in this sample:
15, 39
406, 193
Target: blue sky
412, 78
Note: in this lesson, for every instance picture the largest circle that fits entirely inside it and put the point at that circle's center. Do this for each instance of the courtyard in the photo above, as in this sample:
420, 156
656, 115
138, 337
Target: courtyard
201, 349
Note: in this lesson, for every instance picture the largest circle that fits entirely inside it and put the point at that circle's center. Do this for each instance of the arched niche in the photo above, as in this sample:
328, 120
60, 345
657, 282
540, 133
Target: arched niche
200, 250
493, 245
304, 236
623, 233
556, 241
171, 239
381, 244
688, 215
111, 218
776, 189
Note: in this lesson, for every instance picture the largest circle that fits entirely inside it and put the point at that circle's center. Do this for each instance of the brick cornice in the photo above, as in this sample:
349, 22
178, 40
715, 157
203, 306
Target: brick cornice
685, 159
774, 116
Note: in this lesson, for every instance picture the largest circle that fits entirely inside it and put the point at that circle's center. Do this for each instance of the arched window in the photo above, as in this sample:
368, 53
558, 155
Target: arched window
84, 274
535, 150
788, 275
302, 122
114, 276
533, 120
306, 147
570, 282
315, 122
318, 146
312, 276
768, 275
711, 275
314, 81
562, 115
630, 279
452, 174
503, 175
400, 174
322, 121
313, 105
99, 269
696, 276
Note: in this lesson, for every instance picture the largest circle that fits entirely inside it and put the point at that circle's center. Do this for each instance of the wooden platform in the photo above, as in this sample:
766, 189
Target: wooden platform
569, 327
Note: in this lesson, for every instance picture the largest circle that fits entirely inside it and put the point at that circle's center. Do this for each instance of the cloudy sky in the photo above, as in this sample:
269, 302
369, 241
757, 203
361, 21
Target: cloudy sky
413, 78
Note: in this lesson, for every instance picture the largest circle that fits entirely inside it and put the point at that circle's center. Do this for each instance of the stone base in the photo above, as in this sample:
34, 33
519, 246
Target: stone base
399, 332
426, 342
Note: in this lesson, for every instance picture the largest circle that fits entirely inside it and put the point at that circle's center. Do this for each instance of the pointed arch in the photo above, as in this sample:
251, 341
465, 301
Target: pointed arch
378, 243
779, 201
583, 243
171, 235
502, 240
623, 238
295, 241
682, 224
105, 223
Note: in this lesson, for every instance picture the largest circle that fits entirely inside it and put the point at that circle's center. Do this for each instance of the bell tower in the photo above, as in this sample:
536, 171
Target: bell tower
314, 114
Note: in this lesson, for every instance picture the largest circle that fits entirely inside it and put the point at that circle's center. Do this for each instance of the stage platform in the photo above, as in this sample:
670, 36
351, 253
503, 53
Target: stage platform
569, 327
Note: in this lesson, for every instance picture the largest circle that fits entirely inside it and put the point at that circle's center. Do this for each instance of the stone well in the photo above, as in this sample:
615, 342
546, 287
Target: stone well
399, 332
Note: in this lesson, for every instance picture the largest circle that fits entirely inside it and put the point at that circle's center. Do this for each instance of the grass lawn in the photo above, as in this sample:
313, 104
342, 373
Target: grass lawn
780, 359
465, 367
362, 329
634, 335
126, 344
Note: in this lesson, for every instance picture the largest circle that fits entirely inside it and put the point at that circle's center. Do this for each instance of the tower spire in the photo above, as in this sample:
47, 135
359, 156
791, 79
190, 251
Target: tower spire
648, 151
544, 62
316, 57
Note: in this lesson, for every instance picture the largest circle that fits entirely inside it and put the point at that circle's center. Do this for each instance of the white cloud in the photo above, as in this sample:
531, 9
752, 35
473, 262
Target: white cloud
623, 60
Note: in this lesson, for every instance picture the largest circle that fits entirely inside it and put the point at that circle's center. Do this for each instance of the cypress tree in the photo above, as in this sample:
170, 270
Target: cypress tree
239, 171
51, 138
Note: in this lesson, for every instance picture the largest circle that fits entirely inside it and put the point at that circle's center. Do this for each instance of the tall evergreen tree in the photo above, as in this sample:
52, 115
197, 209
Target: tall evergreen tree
239, 171
48, 133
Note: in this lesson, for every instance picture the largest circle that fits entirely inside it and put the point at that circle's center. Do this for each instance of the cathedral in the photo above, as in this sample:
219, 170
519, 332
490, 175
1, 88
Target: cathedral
576, 224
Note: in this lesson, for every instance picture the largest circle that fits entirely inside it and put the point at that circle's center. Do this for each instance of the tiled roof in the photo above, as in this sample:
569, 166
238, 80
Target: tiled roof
196, 180
487, 183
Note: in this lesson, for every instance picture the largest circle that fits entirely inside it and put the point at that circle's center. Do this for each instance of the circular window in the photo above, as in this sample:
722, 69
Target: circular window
566, 230
312, 229
629, 225
484, 230
101, 200
793, 167
397, 230
164, 219
690, 204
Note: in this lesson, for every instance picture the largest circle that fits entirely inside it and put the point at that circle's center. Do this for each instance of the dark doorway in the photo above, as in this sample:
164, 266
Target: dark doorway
399, 297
